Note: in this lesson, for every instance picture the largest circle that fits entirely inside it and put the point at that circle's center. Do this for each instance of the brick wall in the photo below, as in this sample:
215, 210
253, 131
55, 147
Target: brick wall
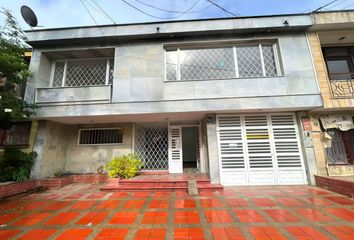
340, 186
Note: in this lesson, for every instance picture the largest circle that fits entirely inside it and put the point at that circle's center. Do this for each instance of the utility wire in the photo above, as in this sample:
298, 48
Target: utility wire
88, 11
171, 11
346, 7
164, 18
97, 10
316, 10
103, 11
225, 10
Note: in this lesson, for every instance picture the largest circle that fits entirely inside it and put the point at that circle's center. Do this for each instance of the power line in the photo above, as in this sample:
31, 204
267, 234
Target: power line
88, 11
97, 10
171, 11
225, 10
164, 18
103, 11
346, 7
323, 5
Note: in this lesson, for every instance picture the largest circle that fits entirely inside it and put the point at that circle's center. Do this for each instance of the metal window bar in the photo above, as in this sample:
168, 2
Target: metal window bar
18, 135
100, 136
342, 85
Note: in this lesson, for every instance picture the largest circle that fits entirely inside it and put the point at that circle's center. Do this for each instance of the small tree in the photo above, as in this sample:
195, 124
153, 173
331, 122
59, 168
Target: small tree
13, 73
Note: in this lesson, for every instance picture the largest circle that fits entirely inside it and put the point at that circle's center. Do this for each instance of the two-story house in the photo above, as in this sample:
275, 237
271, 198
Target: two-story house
218, 95
332, 43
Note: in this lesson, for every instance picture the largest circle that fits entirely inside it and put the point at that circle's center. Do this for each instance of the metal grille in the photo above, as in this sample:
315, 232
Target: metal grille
336, 153
171, 65
100, 136
269, 61
151, 143
342, 88
213, 63
18, 135
58, 74
88, 72
249, 61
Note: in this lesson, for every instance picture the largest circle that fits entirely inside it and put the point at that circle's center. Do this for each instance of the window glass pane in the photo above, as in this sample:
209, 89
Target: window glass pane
213, 63
171, 65
336, 52
269, 61
58, 74
86, 72
249, 61
338, 69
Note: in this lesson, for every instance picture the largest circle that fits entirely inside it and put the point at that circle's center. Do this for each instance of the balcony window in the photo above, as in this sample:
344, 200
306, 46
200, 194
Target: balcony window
221, 63
340, 67
83, 72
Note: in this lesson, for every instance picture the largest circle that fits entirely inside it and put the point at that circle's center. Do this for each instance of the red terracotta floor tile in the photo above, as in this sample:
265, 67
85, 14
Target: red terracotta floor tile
342, 213
75, 196
281, 215
119, 195
108, 204
218, 216
140, 194
181, 194
9, 206
133, 204
74, 234
56, 206
159, 204
237, 202
185, 203
161, 194
112, 234
32, 219
5, 218
290, 202
227, 193
33, 205
93, 218
188, 233
123, 218
227, 233
154, 217
266, 233
186, 217
249, 216
38, 234
341, 200
8, 234
207, 193
97, 195
62, 218
82, 205
313, 215
341, 232
153, 233
306, 233
318, 201
263, 202
210, 203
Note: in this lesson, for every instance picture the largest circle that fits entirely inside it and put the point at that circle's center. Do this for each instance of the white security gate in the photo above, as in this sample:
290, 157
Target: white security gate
175, 150
259, 149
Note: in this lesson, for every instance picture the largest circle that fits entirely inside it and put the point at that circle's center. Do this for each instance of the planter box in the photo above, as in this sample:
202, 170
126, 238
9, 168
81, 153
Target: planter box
345, 170
341, 186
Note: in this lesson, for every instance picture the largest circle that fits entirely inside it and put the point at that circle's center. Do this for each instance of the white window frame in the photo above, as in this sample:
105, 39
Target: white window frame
99, 144
234, 49
65, 61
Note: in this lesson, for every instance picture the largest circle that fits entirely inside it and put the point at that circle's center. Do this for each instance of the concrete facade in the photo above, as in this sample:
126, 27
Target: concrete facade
140, 92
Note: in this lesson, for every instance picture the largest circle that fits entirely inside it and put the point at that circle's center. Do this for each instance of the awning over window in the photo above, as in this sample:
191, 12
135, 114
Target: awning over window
342, 122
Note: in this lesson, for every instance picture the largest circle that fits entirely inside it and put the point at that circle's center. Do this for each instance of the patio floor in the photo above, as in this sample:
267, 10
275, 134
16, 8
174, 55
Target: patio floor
272, 212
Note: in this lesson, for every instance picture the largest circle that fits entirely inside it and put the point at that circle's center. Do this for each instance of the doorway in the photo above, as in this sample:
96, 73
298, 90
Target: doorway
190, 147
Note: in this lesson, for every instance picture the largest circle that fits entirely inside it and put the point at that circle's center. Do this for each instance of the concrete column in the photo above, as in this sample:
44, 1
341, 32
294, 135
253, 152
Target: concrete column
213, 150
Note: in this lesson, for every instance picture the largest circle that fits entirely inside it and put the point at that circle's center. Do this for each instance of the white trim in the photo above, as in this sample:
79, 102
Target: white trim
64, 74
107, 71
277, 59
178, 66
262, 60
237, 74
52, 74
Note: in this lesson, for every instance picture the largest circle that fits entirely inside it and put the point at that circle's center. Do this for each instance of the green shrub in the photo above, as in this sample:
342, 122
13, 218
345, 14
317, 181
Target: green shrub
16, 165
125, 166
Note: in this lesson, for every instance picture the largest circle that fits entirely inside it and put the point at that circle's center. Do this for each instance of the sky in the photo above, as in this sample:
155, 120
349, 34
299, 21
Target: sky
66, 13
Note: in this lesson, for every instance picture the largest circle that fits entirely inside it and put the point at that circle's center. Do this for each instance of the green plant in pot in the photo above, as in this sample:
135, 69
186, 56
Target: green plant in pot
124, 166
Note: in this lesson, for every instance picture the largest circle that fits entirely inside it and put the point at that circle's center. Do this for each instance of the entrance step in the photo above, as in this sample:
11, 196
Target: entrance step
192, 188
170, 182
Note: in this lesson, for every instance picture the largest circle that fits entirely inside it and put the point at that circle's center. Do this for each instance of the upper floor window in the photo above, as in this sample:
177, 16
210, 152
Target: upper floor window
82, 72
340, 62
258, 60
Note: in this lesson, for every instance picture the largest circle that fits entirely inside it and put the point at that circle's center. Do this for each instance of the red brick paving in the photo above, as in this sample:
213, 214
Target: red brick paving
83, 212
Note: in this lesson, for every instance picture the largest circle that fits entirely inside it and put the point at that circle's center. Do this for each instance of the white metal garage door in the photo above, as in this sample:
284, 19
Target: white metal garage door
259, 150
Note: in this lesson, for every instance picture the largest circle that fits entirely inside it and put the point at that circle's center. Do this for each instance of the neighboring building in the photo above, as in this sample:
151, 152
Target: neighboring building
221, 95
332, 42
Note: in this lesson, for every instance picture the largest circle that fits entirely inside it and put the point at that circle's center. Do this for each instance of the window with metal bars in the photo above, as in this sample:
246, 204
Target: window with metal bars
100, 136
244, 61
17, 136
83, 72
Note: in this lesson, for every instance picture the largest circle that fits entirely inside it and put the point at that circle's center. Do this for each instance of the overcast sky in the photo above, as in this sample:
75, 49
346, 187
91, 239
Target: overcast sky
64, 13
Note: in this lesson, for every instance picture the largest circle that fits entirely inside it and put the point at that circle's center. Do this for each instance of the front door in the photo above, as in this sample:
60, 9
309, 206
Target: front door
175, 150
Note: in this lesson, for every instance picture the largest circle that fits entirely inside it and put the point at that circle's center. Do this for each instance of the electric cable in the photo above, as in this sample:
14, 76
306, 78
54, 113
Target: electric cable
88, 11
225, 10
171, 11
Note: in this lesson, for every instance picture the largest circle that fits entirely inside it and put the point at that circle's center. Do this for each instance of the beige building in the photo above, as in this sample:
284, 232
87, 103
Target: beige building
331, 39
